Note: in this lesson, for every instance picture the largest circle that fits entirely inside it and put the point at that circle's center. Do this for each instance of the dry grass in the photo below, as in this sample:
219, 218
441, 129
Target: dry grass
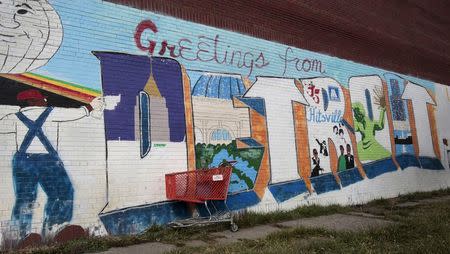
422, 229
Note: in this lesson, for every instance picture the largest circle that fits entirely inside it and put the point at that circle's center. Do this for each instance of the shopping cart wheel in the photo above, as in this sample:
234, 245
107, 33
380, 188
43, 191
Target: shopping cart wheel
234, 227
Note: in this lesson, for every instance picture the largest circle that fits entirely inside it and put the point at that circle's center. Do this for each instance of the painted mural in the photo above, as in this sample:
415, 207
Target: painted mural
91, 120
400, 114
31, 33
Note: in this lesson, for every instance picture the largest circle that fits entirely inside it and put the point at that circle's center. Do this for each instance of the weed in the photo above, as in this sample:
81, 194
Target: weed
250, 219
419, 229
423, 230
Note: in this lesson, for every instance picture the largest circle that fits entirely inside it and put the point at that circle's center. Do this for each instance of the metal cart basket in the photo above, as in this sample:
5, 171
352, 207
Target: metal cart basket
202, 186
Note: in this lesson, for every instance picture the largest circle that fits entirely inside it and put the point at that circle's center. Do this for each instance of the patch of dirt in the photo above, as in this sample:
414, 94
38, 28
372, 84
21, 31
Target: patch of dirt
339, 222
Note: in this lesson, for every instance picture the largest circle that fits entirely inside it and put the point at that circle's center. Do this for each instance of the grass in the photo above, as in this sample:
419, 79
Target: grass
96, 244
416, 196
419, 226
179, 236
251, 219
388, 207
426, 229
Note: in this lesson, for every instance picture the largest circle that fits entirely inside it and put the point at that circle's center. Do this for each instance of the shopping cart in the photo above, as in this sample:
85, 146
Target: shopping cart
202, 186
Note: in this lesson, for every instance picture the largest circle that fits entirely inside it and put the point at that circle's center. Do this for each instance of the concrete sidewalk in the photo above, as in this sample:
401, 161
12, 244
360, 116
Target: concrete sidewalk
337, 222
351, 221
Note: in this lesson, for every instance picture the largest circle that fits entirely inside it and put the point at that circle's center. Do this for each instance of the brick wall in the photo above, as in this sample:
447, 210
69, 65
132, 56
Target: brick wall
302, 127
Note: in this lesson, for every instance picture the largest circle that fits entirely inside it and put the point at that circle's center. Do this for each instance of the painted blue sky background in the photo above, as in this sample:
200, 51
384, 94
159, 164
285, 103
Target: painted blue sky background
108, 27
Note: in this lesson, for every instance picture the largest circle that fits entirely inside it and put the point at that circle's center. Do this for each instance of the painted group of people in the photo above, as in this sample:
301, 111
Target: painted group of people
345, 161
339, 132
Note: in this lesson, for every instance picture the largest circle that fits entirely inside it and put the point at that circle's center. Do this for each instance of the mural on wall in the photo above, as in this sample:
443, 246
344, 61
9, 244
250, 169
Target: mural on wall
258, 140
443, 110
30, 34
216, 121
421, 104
325, 116
330, 145
245, 168
279, 95
420, 111
37, 161
217, 125
150, 104
296, 123
400, 114
369, 114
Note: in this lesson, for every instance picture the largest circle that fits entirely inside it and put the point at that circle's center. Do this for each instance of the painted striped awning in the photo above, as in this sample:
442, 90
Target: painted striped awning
66, 89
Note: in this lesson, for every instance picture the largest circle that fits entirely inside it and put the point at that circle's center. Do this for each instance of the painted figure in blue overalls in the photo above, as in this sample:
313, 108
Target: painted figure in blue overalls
37, 161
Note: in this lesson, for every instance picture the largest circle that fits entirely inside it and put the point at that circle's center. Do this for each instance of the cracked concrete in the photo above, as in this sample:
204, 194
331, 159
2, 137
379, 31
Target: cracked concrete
150, 248
353, 221
338, 222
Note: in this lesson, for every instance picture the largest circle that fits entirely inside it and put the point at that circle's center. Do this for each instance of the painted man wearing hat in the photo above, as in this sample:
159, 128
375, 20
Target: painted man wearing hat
36, 161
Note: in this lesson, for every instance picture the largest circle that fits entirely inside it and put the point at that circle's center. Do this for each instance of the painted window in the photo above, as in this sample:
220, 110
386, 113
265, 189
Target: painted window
144, 123
369, 104
198, 136
220, 134
398, 107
